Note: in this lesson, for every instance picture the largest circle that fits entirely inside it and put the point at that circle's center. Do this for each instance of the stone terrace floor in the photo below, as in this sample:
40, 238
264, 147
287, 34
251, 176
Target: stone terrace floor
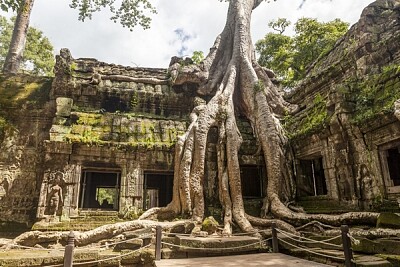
263, 259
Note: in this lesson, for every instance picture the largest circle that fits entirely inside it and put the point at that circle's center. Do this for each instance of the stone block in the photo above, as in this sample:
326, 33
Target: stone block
64, 106
129, 244
388, 220
60, 129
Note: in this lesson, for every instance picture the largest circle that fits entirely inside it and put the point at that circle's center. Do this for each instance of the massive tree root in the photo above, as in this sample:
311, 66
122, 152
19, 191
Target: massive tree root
238, 86
108, 231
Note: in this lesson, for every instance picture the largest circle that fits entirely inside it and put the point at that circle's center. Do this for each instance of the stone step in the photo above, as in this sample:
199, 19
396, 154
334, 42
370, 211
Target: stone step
187, 246
323, 205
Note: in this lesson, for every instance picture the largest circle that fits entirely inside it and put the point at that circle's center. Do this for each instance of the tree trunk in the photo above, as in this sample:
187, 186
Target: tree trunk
17, 45
238, 86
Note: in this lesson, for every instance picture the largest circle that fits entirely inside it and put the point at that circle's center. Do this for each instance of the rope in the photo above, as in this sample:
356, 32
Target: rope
310, 251
89, 248
216, 249
112, 244
107, 259
30, 248
353, 240
311, 241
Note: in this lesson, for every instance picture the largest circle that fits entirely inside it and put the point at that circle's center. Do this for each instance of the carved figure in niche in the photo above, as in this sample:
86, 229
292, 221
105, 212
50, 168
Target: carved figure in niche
4, 184
55, 193
397, 109
366, 189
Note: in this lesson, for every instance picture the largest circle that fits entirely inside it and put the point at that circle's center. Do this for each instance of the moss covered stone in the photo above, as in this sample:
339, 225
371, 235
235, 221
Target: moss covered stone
210, 225
388, 220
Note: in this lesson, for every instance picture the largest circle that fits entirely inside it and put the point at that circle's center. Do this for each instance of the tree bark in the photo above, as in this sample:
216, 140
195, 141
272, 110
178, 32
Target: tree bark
238, 86
15, 52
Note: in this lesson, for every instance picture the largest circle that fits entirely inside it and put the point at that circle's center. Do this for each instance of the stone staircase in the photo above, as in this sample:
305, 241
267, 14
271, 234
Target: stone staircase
323, 204
87, 220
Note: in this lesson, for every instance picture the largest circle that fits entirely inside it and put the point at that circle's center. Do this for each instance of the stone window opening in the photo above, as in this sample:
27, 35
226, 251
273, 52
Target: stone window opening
100, 190
311, 179
157, 189
252, 177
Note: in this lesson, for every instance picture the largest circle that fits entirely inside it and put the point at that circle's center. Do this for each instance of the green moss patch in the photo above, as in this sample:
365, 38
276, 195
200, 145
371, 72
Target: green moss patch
314, 119
375, 94
24, 89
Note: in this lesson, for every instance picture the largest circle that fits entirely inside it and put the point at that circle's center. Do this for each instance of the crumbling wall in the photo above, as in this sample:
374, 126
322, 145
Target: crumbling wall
26, 117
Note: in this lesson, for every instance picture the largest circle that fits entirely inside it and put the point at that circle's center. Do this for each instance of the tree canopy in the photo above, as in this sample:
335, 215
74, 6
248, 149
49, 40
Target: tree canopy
129, 13
38, 57
289, 56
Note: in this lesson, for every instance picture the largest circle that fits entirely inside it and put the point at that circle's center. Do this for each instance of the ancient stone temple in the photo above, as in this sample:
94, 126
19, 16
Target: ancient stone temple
99, 138
346, 135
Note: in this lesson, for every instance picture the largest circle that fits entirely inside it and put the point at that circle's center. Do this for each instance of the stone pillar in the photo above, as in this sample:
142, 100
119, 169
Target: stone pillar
42, 198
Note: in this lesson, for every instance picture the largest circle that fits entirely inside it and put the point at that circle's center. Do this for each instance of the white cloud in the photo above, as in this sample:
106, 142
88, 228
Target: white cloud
203, 20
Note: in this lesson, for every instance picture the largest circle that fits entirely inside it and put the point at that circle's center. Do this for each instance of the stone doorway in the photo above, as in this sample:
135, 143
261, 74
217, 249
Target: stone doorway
99, 190
252, 181
311, 178
157, 189
393, 160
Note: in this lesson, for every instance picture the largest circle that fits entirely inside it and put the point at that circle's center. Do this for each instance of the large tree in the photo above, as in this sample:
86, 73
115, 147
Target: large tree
38, 57
234, 84
128, 13
18, 39
289, 56
237, 86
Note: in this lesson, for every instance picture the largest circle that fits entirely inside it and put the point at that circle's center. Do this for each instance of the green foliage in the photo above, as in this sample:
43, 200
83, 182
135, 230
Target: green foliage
198, 57
259, 86
38, 56
7, 5
128, 13
3, 124
21, 90
316, 118
89, 119
375, 94
105, 194
279, 25
289, 56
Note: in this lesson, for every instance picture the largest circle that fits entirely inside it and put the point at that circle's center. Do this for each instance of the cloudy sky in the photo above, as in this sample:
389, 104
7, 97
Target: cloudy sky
179, 28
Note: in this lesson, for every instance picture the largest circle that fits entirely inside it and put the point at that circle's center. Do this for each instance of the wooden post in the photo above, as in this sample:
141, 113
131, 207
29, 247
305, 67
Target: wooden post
275, 243
158, 242
69, 250
348, 252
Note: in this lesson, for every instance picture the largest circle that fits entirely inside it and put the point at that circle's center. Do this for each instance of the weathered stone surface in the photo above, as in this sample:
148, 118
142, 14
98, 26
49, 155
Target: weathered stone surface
183, 228
140, 233
127, 120
219, 244
388, 220
64, 106
346, 110
129, 244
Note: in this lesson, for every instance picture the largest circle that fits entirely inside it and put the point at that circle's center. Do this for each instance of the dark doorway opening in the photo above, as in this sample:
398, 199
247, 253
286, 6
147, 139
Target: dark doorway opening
157, 189
252, 181
311, 178
99, 190
393, 160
